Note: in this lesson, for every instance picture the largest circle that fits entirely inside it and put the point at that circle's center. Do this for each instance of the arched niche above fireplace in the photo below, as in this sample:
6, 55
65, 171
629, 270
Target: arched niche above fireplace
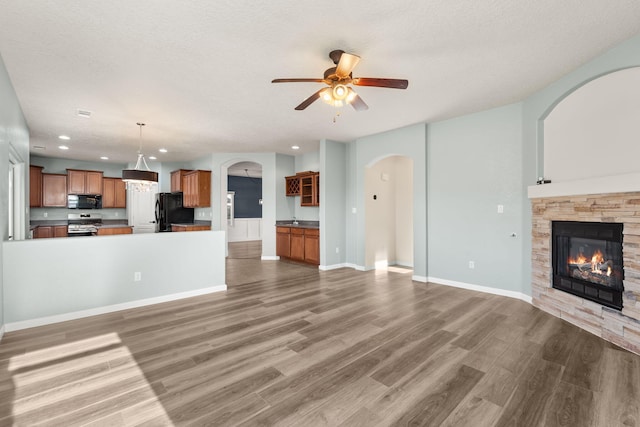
593, 132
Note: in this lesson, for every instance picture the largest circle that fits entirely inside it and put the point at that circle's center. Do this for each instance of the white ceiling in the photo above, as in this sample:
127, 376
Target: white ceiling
199, 73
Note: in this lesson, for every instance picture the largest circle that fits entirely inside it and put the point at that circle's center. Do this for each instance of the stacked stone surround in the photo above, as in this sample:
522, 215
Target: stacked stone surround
621, 328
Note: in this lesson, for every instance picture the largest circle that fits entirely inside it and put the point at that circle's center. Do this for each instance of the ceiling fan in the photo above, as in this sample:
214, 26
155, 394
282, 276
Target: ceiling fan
338, 79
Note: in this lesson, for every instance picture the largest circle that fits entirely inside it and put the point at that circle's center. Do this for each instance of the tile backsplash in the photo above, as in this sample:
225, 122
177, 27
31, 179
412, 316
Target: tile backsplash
61, 213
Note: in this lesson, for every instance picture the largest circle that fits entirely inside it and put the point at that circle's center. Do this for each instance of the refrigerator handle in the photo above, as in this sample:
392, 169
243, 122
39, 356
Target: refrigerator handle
158, 214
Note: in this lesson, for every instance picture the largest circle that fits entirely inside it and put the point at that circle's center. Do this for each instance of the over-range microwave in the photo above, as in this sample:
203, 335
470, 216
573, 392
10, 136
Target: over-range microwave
84, 201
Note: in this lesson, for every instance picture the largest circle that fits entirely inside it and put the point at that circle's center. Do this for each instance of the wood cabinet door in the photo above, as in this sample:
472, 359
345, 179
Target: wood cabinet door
93, 182
312, 248
35, 186
283, 242
297, 245
120, 190
108, 193
76, 180
60, 231
54, 190
42, 232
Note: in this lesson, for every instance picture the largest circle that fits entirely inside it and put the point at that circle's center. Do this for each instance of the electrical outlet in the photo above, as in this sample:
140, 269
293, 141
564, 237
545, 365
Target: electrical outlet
472, 264
337, 250
137, 276
46, 214
500, 208
116, 213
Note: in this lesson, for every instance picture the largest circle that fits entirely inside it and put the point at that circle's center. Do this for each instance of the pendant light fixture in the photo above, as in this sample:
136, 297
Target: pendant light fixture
139, 179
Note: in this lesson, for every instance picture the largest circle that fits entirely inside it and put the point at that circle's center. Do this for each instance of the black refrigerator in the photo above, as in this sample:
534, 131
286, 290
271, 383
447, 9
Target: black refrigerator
169, 210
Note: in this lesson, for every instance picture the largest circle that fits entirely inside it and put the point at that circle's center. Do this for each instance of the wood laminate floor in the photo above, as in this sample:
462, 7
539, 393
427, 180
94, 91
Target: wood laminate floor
289, 345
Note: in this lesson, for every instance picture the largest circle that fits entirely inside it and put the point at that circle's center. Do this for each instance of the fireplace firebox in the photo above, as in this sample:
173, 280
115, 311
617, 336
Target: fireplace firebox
587, 260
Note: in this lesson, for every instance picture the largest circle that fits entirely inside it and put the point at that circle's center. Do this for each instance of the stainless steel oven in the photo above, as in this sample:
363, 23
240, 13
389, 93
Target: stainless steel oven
83, 224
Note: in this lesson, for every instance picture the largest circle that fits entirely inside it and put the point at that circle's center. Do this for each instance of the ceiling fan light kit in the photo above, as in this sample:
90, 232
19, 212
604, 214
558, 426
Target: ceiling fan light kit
338, 78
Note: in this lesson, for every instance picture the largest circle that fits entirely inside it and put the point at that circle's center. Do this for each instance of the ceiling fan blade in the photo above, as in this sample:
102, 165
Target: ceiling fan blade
358, 104
390, 83
297, 80
310, 100
347, 63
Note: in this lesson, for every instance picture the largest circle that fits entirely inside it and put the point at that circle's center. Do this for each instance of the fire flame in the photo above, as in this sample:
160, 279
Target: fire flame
597, 261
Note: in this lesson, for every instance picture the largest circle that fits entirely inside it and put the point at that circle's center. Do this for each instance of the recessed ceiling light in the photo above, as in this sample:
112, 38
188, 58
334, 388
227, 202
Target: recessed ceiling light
63, 147
104, 158
84, 113
152, 157
162, 150
65, 137
295, 147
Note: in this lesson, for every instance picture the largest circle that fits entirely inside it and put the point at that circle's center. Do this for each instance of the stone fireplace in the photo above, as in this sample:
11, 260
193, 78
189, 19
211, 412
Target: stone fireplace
591, 290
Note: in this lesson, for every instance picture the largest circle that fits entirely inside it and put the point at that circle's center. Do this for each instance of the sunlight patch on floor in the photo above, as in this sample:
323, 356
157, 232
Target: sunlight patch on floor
95, 368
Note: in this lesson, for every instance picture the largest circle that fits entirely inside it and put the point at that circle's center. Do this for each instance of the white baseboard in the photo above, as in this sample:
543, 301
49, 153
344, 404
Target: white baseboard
422, 279
269, 258
485, 289
334, 266
1, 332
31, 323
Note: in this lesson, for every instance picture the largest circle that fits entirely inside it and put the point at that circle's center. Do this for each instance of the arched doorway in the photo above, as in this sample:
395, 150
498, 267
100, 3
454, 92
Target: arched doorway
389, 214
244, 210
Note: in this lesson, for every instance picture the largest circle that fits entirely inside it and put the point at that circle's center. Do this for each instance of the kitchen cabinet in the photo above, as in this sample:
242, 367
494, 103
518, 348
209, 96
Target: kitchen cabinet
298, 244
309, 190
177, 178
283, 241
306, 185
84, 182
292, 185
111, 231
35, 186
49, 231
312, 246
190, 227
197, 189
54, 190
114, 193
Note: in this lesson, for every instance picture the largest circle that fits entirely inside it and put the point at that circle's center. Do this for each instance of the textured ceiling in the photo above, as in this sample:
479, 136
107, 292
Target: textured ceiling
198, 73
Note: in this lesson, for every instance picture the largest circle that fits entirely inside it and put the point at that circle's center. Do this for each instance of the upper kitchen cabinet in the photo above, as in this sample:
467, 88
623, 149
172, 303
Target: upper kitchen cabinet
114, 193
292, 185
54, 190
84, 182
310, 189
196, 189
177, 179
306, 185
35, 186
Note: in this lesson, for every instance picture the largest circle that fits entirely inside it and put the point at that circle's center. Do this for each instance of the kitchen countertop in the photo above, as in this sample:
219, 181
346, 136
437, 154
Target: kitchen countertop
114, 225
47, 222
300, 224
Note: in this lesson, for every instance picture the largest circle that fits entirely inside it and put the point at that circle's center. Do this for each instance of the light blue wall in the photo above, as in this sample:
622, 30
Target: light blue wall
474, 165
14, 135
333, 208
410, 142
89, 273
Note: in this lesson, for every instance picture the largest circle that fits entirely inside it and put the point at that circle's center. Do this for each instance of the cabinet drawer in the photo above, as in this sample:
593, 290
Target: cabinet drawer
311, 232
297, 231
283, 230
